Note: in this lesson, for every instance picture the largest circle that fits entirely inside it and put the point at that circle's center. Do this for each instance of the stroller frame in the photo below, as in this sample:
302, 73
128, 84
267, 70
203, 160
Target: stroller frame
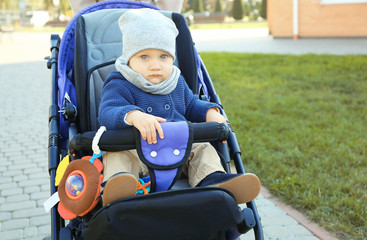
56, 151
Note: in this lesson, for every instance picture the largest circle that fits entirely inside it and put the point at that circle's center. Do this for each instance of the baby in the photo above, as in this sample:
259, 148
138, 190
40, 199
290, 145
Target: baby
148, 90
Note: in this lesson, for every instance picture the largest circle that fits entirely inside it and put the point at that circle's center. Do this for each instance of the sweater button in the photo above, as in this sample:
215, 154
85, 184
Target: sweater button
167, 106
149, 109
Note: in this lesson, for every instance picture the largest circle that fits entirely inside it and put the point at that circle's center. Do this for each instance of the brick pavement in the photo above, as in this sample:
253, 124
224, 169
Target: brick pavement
277, 224
24, 180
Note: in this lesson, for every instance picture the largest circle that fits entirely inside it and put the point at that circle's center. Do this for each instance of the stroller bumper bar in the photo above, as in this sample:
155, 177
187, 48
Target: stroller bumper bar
124, 139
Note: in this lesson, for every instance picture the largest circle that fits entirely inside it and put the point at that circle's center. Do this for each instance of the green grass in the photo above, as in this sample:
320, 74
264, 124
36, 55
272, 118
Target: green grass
301, 122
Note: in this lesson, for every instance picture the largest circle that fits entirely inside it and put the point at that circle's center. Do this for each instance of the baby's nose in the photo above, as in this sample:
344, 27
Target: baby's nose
155, 65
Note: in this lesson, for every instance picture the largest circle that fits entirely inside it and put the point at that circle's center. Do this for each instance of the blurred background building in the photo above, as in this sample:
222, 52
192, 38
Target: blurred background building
317, 18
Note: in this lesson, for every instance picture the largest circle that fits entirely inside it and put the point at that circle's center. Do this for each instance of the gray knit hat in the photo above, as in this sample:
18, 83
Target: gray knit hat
146, 29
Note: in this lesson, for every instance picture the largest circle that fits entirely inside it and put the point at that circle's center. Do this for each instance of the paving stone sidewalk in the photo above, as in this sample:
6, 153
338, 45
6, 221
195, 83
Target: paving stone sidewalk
24, 180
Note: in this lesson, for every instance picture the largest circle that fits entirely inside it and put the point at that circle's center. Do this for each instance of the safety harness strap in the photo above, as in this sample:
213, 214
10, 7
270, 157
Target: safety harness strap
166, 158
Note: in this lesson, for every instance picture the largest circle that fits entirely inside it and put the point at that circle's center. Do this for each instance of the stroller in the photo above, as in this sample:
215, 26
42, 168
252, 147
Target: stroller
80, 63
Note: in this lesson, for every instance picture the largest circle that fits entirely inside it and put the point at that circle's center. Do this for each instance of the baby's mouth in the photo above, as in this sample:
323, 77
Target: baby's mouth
156, 75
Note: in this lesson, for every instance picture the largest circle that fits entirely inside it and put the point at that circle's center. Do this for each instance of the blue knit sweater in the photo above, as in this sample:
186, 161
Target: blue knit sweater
119, 97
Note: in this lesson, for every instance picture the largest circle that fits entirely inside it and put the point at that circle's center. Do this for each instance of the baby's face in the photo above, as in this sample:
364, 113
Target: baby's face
155, 65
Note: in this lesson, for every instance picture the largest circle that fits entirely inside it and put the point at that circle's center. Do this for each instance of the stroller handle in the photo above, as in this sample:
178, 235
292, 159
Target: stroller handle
124, 139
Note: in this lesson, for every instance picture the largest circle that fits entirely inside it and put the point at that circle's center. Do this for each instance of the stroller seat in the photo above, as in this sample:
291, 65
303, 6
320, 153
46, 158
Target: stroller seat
180, 213
98, 43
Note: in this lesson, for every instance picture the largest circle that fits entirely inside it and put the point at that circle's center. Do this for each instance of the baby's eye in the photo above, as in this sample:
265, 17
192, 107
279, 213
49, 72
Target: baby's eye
164, 56
144, 57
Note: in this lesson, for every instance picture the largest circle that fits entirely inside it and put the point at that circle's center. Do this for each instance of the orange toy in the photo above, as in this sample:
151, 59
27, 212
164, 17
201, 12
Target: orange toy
79, 187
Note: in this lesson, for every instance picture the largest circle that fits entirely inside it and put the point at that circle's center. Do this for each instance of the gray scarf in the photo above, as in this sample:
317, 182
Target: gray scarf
163, 88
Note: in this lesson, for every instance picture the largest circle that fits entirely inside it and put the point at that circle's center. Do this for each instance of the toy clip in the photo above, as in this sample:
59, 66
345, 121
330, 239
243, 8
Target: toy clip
97, 153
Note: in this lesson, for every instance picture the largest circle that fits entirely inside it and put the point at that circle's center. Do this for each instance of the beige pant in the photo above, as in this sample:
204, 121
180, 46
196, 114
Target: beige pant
203, 160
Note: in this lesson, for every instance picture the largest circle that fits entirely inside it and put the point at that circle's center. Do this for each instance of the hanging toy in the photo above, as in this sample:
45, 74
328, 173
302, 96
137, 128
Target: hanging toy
79, 187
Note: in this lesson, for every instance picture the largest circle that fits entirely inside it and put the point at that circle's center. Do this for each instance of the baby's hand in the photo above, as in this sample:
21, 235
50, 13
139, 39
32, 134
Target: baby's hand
147, 124
214, 116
